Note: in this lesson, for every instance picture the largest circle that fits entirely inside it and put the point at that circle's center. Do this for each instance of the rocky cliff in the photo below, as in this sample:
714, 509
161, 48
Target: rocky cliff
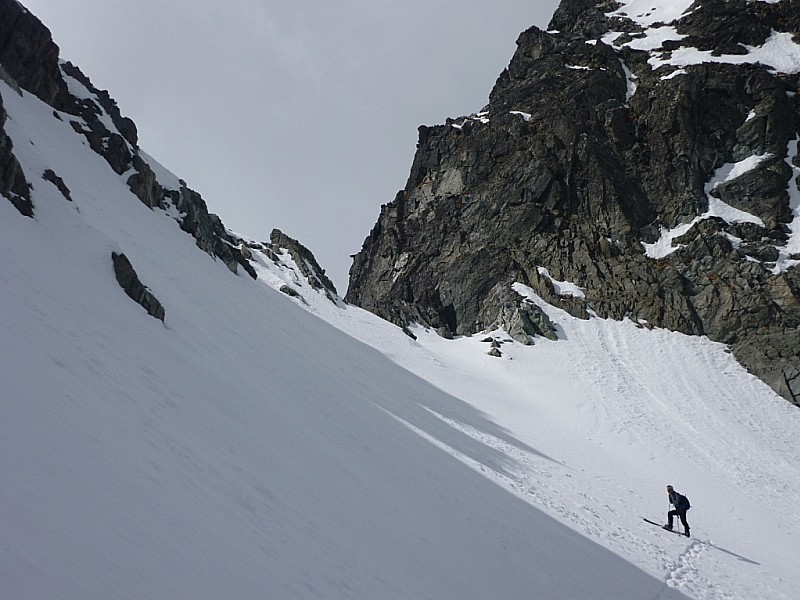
647, 158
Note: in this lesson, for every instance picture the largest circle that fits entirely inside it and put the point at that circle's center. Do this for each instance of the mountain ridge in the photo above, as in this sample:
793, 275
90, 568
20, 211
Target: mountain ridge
606, 136
31, 61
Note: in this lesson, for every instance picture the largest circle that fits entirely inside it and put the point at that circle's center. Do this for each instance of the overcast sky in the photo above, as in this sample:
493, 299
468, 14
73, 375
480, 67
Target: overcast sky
296, 114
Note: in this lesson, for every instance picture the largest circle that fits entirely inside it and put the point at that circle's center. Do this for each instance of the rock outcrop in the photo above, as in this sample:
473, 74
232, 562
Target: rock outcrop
134, 288
29, 55
305, 261
288, 254
649, 159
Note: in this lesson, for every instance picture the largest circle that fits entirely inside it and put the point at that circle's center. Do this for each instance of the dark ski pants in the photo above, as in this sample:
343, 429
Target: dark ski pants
678, 513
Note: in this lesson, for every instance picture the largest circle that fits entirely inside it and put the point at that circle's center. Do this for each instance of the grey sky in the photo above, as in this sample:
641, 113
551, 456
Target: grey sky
296, 114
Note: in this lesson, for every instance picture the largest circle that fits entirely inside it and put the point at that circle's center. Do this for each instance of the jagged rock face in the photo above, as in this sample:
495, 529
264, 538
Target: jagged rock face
12, 180
28, 53
601, 139
29, 59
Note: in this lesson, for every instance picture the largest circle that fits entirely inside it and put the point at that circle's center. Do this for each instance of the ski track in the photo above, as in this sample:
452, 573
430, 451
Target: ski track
672, 410
541, 482
697, 405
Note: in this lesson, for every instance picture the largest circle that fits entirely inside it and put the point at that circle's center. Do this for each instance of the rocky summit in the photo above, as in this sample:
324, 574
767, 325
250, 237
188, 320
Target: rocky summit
638, 160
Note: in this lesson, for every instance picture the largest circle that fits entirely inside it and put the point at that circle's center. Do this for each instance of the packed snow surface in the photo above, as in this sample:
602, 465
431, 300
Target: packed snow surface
260, 446
649, 12
562, 288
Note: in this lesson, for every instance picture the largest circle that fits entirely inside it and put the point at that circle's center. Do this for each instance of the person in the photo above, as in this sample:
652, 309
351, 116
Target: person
681, 504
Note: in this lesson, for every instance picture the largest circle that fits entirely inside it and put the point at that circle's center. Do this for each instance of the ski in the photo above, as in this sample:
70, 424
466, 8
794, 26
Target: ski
676, 532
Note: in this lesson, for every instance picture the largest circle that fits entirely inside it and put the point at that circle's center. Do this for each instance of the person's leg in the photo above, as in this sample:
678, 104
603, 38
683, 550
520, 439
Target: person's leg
670, 515
684, 522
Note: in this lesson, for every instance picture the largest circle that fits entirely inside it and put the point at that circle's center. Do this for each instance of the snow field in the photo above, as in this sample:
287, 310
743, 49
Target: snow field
593, 427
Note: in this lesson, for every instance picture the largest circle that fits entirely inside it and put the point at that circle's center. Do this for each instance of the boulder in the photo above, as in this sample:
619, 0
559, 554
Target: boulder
134, 288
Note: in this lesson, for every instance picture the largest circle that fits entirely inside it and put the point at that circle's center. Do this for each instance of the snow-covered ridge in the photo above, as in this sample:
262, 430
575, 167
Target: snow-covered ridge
779, 51
80, 91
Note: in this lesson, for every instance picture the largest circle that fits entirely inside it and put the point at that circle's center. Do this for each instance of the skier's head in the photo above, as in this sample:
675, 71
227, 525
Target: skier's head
669, 488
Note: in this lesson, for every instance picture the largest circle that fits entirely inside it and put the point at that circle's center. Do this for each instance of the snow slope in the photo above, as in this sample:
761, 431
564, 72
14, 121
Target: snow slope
258, 446
595, 425
243, 449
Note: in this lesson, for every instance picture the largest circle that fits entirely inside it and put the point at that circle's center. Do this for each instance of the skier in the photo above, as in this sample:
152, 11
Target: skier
681, 504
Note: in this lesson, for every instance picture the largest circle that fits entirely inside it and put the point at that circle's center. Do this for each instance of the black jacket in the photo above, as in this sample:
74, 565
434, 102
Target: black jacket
679, 501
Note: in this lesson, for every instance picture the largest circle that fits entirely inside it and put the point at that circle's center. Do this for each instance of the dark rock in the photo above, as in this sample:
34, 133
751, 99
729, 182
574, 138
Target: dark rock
445, 333
125, 126
291, 292
118, 151
144, 185
136, 290
206, 228
28, 53
13, 184
50, 175
763, 252
761, 192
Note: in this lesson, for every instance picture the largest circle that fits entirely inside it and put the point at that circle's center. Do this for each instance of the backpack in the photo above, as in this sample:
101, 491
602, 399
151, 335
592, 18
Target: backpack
684, 502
